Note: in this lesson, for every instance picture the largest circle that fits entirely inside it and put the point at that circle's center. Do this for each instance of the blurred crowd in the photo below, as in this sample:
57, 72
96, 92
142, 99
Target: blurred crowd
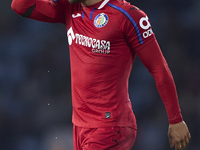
35, 94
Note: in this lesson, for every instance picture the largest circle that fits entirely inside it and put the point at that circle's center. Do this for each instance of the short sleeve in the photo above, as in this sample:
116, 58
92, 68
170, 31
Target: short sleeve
137, 29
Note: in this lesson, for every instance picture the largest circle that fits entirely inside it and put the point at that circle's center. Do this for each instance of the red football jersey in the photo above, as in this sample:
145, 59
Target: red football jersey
104, 39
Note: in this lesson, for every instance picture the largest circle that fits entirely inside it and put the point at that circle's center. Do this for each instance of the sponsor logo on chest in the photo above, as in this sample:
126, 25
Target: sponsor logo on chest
96, 45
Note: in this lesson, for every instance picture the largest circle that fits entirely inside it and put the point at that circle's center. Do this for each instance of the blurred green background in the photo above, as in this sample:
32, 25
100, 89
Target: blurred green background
35, 94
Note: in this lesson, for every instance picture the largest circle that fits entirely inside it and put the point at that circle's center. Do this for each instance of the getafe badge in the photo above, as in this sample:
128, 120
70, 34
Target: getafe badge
101, 20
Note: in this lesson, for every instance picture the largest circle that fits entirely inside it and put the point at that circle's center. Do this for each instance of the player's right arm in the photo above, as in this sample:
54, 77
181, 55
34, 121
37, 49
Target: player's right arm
42, 10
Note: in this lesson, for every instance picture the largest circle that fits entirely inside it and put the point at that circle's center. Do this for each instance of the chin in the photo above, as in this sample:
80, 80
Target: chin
75, 1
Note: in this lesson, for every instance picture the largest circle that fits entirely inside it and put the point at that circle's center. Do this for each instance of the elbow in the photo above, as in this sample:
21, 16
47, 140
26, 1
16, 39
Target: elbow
16, 8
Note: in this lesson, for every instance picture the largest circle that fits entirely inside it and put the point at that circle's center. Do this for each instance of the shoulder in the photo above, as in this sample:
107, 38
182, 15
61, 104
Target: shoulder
127, 10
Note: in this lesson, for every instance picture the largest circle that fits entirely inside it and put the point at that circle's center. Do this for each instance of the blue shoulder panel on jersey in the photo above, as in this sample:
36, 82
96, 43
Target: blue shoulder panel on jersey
131, 20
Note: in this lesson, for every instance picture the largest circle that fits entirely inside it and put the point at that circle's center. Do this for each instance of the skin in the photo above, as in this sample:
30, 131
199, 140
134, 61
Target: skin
178, 134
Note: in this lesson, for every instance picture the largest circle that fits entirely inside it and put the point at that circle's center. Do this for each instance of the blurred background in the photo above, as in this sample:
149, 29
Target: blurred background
35, 94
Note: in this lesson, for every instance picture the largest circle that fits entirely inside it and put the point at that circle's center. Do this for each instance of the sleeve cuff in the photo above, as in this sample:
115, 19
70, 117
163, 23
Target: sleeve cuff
177, 120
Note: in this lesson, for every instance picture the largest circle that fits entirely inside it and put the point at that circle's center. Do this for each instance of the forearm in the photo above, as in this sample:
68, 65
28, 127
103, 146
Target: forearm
167, 90
154, 61
41, 10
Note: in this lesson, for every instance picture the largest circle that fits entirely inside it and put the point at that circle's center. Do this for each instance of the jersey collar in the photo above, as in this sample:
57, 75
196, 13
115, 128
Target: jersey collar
104, 2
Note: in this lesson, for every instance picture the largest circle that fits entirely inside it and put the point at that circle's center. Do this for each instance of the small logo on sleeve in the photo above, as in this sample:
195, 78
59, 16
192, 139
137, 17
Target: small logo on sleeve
145, 24
101, 20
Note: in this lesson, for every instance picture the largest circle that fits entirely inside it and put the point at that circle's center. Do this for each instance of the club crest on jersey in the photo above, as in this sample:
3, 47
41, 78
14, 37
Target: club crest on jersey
101, 20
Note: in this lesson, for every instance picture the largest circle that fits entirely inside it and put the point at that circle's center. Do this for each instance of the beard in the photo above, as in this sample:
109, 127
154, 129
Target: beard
75, 1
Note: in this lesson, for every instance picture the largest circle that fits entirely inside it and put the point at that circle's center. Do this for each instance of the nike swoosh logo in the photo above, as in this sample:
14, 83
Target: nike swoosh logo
77, 15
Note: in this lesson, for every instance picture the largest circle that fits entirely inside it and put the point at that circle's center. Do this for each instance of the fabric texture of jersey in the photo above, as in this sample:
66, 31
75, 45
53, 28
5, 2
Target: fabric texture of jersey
101, 62
104, 39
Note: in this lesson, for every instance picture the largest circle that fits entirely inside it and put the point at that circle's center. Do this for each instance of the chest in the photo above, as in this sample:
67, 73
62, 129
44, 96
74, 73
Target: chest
93, 25
96, 36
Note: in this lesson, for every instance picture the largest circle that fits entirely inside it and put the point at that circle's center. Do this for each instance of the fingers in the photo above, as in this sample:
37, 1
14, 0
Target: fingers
187, 138
171, 142
181, 144
178, 146
179, 135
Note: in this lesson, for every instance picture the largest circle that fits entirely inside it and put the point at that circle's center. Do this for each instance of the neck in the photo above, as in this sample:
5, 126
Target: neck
90, 2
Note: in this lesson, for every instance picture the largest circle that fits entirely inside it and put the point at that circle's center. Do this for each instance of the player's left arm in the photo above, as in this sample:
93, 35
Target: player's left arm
139, 35
153, 59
